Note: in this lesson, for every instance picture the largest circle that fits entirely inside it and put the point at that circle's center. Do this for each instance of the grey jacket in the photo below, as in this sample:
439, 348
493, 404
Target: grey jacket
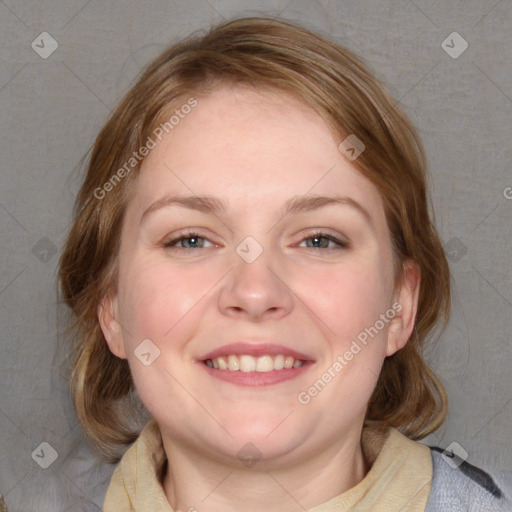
465, 488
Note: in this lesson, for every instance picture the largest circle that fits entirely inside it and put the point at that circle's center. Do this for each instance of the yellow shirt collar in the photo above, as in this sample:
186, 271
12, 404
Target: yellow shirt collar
399, 479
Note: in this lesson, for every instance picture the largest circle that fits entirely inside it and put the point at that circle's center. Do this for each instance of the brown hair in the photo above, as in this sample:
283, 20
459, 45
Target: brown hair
285, 57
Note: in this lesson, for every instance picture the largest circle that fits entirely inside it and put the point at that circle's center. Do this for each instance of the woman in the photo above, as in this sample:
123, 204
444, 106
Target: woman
253, 257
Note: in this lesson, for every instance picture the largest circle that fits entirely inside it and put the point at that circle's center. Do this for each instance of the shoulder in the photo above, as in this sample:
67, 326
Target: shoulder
462, 487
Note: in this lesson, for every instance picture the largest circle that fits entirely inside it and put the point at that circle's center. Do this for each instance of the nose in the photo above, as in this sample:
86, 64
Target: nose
256, 290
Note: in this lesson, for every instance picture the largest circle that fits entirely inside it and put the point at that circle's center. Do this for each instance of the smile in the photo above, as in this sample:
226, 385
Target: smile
247, 363
252, 371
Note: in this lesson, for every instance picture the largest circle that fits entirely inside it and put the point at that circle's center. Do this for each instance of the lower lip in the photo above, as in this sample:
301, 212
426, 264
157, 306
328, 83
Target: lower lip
257, 378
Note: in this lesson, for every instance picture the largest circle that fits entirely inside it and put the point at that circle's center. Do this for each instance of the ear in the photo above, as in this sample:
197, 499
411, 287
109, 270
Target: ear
405, 307
108, 315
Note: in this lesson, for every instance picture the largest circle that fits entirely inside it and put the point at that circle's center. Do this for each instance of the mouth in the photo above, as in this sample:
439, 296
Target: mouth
248, 364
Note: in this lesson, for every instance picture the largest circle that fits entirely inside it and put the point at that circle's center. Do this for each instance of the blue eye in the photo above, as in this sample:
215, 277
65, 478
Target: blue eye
194, 241
319, 236
194, 238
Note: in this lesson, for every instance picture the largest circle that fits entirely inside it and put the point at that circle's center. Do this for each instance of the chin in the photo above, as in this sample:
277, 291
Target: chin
251, 423
272, 437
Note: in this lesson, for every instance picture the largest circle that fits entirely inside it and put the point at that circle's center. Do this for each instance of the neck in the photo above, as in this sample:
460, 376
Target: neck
195, 483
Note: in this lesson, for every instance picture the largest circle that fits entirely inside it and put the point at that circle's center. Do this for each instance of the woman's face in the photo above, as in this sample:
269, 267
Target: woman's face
253, 272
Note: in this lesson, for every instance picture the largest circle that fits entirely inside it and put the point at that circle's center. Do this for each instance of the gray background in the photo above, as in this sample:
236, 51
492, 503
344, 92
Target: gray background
53, 107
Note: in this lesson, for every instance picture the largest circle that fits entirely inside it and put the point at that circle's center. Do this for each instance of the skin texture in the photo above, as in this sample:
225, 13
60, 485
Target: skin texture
255, 150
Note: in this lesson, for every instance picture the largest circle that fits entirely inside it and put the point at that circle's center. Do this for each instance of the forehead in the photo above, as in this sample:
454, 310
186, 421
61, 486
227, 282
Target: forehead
252, 148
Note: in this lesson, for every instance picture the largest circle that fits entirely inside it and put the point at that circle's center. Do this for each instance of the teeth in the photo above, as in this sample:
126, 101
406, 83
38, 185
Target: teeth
278, 362
265, 364
233, 363
246, 363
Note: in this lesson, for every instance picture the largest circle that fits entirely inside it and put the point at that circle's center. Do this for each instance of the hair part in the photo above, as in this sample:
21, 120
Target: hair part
287, 58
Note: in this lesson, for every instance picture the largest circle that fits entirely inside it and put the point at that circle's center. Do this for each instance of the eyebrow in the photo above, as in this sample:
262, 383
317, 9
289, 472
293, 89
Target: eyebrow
297, 204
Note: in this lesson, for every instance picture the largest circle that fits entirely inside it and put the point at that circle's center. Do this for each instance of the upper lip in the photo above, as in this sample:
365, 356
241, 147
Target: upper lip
255, 349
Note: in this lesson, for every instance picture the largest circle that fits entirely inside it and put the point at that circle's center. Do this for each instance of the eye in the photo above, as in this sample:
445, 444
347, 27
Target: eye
195, 240
321, 240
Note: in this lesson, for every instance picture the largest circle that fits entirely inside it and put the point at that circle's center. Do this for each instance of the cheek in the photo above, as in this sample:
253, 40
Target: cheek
350, 302
160, 303
350, 298
157, 296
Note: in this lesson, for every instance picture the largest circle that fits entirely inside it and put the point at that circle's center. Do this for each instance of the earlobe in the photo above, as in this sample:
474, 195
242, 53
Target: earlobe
402, 324
108, 317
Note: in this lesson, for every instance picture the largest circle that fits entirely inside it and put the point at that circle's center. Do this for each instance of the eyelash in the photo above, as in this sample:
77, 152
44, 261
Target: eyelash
316, 234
